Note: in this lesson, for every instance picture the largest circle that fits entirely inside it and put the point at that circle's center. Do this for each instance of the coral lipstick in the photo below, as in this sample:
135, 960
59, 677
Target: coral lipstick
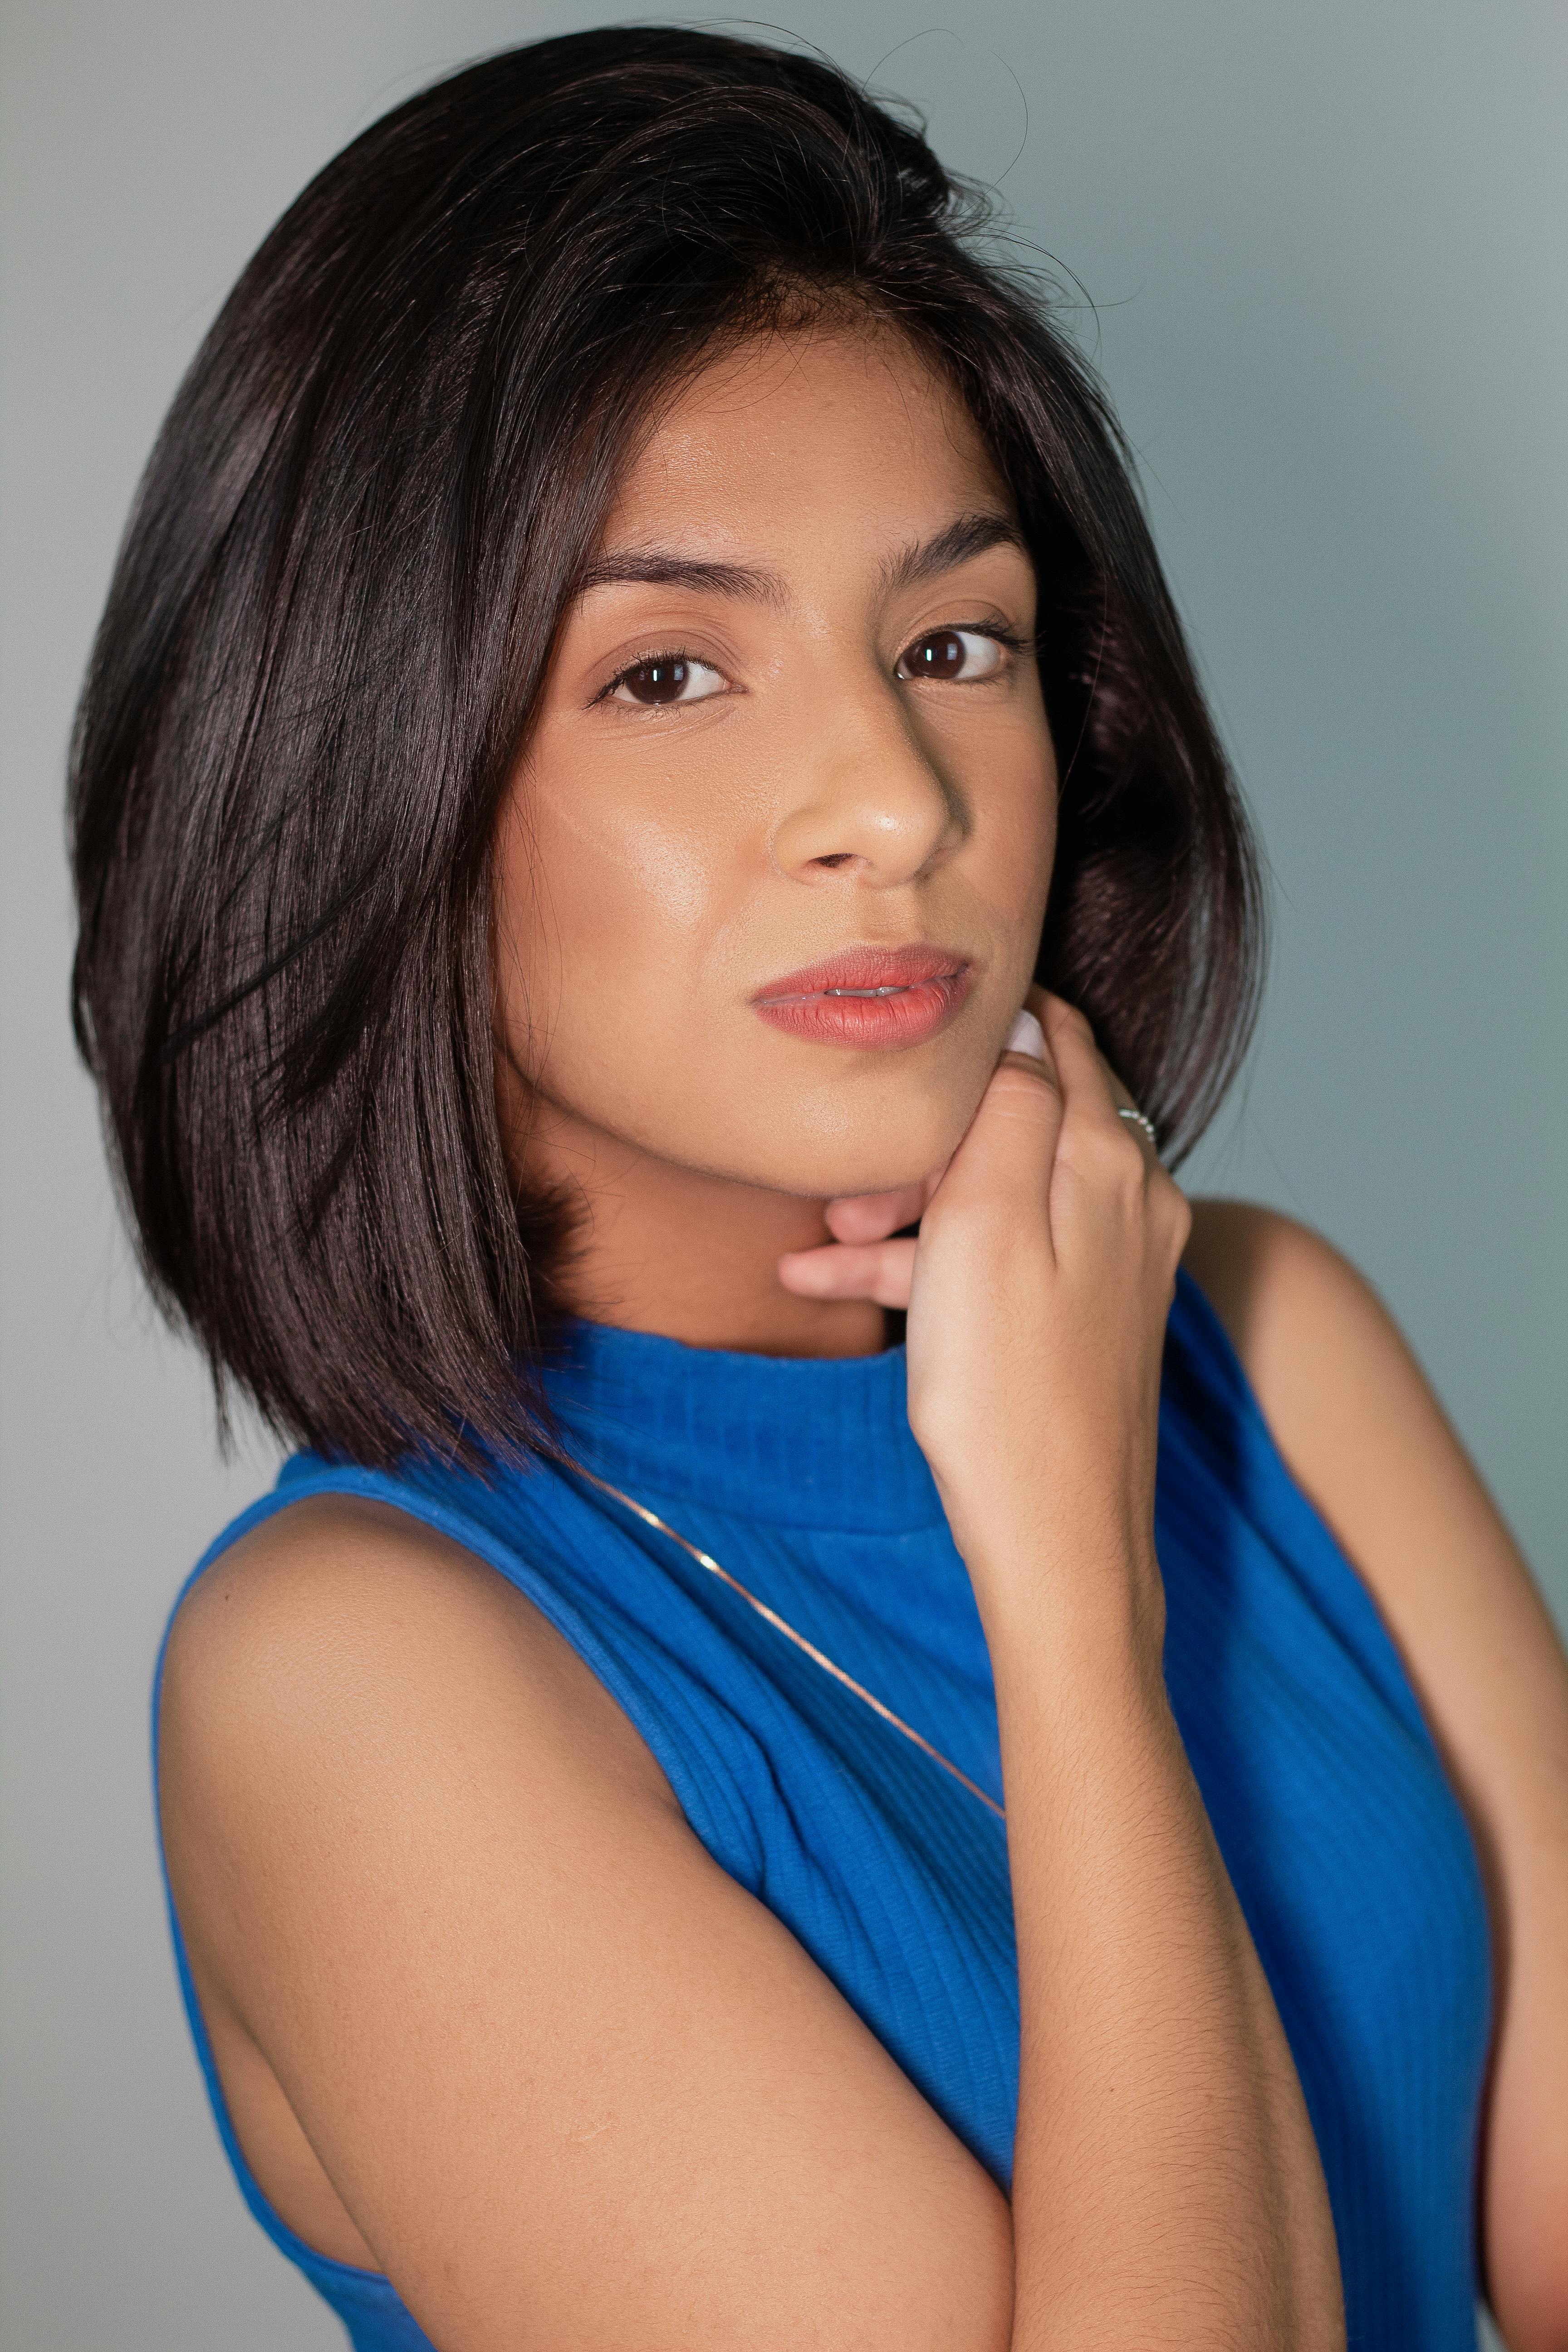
868, 997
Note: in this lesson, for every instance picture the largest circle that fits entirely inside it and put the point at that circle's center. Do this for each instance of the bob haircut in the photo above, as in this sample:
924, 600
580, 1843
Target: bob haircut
327, 628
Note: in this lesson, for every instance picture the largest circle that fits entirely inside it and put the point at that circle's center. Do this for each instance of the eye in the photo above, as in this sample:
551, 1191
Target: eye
963, 655
667, 679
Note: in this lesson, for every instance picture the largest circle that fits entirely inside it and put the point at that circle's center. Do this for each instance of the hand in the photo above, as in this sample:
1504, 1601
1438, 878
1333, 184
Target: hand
1037, 1292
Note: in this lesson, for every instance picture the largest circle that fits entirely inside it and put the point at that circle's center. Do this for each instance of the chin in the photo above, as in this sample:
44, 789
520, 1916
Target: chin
879, 1155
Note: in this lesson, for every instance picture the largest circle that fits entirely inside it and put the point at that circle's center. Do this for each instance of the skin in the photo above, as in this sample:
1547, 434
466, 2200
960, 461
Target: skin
487, 2015
672, 862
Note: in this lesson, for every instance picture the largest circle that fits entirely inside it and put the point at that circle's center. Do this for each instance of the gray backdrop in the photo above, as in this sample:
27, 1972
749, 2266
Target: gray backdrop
1325, 246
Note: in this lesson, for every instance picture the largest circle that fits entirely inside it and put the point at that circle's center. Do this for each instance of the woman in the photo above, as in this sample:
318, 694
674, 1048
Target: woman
636, 661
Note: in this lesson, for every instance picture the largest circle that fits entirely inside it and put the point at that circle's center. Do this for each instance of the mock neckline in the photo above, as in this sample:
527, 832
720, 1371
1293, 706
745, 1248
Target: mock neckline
796, 1441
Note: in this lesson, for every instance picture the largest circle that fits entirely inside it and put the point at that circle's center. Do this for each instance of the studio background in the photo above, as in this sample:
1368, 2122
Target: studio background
1325, 248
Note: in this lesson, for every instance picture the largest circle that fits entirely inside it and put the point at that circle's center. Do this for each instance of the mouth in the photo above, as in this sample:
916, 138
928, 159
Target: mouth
869, 997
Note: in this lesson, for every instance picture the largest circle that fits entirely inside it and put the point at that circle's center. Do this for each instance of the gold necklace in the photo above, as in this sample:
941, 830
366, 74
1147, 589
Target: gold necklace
771, 1616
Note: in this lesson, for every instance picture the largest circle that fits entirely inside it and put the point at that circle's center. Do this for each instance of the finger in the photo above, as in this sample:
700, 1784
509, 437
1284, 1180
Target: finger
880, 1271
1094, 1096
1002, 1165
1027, 1037
1132, 1117
1086, 1079
872, 1216
1027, 1048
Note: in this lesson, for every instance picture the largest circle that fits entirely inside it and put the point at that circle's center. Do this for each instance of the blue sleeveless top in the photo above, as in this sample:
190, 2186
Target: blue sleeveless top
1347, 1851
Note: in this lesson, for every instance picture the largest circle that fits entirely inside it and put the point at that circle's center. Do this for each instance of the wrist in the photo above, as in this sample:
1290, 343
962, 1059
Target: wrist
1081, 1587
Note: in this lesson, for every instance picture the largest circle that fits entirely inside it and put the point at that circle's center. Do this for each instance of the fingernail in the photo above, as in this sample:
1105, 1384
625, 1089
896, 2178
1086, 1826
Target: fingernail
1027, 1037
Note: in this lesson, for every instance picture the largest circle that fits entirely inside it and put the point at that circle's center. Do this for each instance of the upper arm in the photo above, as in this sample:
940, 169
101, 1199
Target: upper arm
1367, 1441
573, 2084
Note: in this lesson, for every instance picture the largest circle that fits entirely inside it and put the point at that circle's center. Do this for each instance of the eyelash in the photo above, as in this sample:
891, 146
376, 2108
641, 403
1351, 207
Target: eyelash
998, 636
655, 655
660, 654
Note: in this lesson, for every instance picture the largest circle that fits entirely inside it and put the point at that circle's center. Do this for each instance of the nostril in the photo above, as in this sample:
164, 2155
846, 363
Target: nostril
837, 858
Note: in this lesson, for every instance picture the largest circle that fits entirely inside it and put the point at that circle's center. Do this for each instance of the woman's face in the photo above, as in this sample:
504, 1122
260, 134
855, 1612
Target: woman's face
772, 873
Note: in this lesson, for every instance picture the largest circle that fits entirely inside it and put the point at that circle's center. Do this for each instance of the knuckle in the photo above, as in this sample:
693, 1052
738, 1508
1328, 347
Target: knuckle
1068, 1018
1177, 1211
1019, 1078
1110, 1146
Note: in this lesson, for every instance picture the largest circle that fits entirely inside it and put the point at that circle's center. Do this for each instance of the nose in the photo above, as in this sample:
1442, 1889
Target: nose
871, 803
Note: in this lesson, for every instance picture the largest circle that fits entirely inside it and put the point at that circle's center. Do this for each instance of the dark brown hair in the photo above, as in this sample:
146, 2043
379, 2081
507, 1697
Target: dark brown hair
329, 626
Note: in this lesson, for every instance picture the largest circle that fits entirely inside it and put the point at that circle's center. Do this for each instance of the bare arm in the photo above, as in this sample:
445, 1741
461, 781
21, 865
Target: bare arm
570, 2086
1167, 2185
557, 2073
1366, 1438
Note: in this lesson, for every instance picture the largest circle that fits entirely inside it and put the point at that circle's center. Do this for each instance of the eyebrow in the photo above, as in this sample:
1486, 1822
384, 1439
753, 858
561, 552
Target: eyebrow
657, 567
972, 534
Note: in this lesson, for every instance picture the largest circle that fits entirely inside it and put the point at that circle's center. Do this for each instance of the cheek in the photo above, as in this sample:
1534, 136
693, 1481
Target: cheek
1013, 851
596, 899
1024, 851
621, 889
631, 924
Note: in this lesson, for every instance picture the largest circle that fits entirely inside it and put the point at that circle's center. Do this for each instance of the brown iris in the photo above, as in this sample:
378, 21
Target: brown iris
942, 654
662, 681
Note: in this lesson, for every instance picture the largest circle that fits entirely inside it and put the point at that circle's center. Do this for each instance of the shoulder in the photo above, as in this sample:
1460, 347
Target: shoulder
1318, 1344
1368, 1442
329, 1569
340, 1633
1266, 1274
1364, 1436
1353, 1415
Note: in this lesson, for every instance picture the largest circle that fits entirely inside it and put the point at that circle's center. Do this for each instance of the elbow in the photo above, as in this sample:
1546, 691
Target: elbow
1531, 2315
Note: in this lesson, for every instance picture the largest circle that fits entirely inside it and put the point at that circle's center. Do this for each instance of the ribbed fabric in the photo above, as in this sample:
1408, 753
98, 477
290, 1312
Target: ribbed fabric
1348, 1853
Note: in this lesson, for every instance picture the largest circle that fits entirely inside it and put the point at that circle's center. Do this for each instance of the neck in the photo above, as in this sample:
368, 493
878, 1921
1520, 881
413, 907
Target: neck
656, 1247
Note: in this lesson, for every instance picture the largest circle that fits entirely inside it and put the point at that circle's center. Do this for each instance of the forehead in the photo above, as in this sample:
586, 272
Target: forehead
794, 440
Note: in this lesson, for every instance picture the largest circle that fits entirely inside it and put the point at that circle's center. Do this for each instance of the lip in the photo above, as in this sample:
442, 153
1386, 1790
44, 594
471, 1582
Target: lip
869, 998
